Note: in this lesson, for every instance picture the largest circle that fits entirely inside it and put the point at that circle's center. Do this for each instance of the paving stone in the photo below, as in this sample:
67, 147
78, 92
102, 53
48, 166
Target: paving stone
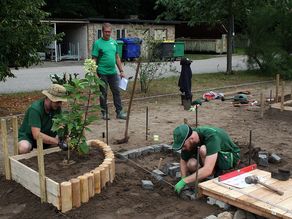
173, 170
178, 175
211, 217
147, 184
263, 158
241, 214
146, 150
166, 147
274, 158
157, 148
122, 156
158, 174
211, 201
188, 195
165, 168
222, 205
132, 154
225, 215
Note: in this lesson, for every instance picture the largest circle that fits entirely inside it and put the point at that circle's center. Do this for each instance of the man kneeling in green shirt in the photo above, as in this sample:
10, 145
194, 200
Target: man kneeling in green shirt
217, 152
38, 120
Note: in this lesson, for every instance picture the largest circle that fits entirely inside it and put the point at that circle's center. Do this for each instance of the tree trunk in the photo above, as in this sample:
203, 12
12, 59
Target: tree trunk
230, 39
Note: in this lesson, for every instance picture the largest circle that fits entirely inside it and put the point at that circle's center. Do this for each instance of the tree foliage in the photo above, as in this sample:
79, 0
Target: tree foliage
102, 8
71, 123
211, 12
269, 30
22, 34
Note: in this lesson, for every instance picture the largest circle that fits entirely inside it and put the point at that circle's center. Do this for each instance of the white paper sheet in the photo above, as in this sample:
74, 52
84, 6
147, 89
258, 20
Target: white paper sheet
239, 181
123, 84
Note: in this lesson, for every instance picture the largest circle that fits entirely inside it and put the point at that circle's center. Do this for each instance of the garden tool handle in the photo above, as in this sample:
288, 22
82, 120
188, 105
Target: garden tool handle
271, 188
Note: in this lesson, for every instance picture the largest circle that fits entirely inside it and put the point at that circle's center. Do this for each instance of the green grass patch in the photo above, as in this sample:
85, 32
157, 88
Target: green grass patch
201, 81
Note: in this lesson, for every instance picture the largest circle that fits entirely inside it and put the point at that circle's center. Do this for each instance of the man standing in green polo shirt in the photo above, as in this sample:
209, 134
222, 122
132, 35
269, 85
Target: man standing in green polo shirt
106, 56
217, 152
38, 120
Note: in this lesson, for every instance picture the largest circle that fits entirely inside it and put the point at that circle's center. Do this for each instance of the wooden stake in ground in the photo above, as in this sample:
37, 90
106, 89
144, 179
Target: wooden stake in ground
159, 163
277, 87
126, 137
262, 104
282, 96
15, 134
291, 94
5, 150
41, 165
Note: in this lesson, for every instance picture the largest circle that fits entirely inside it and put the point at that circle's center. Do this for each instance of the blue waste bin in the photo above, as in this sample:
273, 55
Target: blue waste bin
131, 48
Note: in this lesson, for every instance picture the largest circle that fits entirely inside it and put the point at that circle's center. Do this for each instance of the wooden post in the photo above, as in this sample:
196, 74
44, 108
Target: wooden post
15, 134
5, 150
66, 196
159, 163
96, 174
107, 173
91, 186
102, 176
277, 87
84, 188
282, 96
76, 199
41, 165
109, 162
262, 104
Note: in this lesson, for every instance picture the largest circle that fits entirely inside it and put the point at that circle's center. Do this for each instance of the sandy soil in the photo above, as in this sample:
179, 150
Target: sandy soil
125, 198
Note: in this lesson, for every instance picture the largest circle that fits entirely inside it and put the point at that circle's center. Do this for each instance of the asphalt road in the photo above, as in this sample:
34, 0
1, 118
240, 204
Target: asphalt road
38, 77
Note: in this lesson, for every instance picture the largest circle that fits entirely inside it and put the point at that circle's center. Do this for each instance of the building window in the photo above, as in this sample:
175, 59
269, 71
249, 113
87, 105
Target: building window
99, 33
121, 33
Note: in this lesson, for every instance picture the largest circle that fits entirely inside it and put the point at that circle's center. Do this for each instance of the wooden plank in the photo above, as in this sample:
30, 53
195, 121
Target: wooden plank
239, 205
29, 179
256, 198
34, 153
41, 166
15, 134
5, 150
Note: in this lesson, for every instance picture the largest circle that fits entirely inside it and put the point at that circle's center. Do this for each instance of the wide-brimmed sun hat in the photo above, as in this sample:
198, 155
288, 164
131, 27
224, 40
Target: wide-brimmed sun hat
56, 93
180, 135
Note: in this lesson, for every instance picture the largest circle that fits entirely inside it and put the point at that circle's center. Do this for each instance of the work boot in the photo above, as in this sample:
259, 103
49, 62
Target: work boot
103, 116
121, 115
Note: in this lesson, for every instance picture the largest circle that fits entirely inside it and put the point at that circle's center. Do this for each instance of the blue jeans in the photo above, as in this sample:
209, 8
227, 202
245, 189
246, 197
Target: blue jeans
113, 82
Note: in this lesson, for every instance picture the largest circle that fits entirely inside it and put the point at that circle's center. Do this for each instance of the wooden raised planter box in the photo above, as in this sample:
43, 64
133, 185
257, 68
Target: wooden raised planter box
68, 194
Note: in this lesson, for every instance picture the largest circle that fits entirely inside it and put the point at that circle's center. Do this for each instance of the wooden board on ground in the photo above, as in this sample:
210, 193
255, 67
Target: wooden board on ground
255, 198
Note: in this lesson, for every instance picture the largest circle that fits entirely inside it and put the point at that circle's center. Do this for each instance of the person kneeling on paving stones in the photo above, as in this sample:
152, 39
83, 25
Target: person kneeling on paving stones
38, 120
217, 153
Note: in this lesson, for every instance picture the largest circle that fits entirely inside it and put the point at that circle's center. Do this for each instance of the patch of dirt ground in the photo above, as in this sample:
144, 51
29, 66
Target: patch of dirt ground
125, 198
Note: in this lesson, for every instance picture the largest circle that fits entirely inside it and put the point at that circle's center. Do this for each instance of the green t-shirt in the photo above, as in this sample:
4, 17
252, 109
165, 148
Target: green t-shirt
105, 52
36, 116
216, 140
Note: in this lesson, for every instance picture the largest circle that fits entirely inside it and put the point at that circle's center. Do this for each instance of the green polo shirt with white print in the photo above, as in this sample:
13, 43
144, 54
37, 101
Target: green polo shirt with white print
105, 52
